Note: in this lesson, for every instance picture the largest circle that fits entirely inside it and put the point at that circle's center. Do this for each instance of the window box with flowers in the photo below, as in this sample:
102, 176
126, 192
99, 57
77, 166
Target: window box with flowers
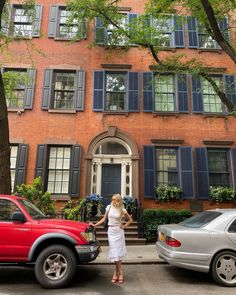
219, 194
93, 204
167, 193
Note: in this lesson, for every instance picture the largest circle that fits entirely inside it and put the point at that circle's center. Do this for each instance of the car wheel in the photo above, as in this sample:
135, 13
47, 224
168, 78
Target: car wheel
55, 266
224, 268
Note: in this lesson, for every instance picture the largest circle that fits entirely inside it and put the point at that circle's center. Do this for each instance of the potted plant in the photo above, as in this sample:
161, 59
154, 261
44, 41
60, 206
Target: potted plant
130, 204
165, 193
219, 194
93, 204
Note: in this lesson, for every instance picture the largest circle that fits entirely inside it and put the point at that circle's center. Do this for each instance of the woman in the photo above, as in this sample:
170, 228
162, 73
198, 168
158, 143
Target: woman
116, 237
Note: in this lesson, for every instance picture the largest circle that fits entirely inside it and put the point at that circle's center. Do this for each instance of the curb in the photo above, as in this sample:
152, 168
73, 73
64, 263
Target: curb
129, 262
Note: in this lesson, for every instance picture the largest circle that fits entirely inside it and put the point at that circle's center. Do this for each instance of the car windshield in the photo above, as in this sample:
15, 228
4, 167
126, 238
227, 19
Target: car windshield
200, 220
33, 211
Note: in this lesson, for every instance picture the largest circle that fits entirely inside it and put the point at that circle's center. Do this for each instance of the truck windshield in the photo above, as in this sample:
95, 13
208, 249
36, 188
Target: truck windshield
200, 220
33, 211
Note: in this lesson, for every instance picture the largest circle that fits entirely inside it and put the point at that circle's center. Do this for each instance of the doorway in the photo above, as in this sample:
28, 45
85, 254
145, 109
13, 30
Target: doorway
111, 182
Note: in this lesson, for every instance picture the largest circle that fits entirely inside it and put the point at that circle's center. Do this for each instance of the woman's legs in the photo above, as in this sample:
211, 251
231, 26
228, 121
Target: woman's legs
121, 277
116, 273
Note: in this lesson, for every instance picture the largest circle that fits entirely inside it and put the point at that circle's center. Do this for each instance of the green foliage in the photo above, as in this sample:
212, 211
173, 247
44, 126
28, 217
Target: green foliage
154, 217
34, 193
74, 210
166, 193
220, 194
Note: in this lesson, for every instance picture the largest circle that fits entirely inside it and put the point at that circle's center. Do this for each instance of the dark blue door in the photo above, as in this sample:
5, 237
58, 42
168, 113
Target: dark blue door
111, 182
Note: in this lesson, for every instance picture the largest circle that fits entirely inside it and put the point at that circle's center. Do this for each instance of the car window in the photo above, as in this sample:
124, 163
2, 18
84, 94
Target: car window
232, 228
33, 211
201, 219
7, 208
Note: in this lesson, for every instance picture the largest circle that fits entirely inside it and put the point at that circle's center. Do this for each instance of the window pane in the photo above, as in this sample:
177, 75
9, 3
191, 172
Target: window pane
211, 101
164, 93
58, 173
115, 91
166, 167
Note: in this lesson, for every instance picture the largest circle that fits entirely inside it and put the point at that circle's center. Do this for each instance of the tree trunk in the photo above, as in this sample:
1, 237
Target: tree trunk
5, 175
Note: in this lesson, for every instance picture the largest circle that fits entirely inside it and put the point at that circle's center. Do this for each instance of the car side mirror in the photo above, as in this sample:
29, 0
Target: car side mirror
18, 217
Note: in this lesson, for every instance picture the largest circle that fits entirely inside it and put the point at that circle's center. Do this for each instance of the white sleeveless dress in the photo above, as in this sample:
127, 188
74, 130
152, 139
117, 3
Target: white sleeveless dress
116, 236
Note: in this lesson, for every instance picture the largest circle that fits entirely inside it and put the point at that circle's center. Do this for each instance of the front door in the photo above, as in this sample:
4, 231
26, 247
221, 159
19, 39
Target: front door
111, 182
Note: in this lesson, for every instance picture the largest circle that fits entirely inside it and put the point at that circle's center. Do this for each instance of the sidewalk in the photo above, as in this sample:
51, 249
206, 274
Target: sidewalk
144, 254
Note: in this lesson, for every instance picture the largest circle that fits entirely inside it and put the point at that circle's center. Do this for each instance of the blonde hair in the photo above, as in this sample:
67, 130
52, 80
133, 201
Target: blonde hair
120, 204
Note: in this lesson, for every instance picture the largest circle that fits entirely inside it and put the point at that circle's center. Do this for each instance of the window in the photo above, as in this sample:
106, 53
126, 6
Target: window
219, 168
61, 25
171, 166
14, 151
58, 170
199, 37
15, 97
111, 148
116, 92
232, 227
113, 36
65, 30
201, 219
7, 208
164, 93
63, 90
59, 167
19, 87
167, 172
18, 159
205, 40
110, 34
22, 22
163, 31
211, 101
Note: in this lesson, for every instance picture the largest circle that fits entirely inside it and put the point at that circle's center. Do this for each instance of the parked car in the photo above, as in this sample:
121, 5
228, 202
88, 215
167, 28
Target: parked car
55, 246
205, 242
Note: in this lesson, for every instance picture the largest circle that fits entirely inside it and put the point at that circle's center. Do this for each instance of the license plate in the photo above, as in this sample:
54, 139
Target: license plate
161, 236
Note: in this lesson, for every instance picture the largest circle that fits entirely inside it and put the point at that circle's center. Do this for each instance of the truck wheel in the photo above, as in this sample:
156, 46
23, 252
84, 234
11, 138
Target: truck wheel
223, 268
55, 266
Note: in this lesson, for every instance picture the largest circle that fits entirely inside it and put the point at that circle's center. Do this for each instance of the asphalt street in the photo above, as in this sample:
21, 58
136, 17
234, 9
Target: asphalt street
149, 279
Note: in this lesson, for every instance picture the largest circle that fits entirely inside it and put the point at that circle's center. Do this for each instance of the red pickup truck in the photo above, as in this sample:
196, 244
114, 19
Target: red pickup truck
55, 246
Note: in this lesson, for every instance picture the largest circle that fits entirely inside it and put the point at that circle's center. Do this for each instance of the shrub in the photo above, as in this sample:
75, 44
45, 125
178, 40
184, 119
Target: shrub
154, 217
74, 210
34, 193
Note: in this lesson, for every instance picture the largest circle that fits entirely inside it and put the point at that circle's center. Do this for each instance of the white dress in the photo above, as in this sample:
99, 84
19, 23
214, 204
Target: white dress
116, 235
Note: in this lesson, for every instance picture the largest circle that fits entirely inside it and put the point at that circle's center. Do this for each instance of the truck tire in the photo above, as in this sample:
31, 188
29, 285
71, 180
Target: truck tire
55, 266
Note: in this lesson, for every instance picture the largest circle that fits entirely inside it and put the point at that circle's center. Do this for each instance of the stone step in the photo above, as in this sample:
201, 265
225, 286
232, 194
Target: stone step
128, 241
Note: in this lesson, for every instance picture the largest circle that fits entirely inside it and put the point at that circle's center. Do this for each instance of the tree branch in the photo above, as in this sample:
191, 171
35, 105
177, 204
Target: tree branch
218, 36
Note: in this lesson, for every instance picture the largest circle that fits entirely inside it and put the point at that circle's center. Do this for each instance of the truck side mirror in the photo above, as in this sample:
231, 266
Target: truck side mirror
18, 217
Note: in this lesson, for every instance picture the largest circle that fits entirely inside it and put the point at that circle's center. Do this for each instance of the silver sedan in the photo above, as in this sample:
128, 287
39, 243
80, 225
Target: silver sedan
205, 242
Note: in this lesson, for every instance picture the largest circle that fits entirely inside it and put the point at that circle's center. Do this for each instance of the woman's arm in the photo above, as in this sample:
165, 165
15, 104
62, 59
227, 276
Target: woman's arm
130, 220
101, 221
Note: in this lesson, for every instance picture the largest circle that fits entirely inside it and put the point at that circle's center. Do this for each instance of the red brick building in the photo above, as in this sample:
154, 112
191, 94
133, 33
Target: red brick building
92, 120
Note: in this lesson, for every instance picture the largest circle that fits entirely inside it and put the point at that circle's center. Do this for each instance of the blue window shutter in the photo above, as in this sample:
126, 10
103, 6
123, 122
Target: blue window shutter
223, 25
75, 170
100, 32
41, 161
52, 23
47, 89
230, 88
202, 173
148, 92
186, 171
149, 171
98, 91
37, 20
183, 98
197, 96
178, 32
233, 156
79, 90
192, 32
133, 91
29, 89
21, 164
